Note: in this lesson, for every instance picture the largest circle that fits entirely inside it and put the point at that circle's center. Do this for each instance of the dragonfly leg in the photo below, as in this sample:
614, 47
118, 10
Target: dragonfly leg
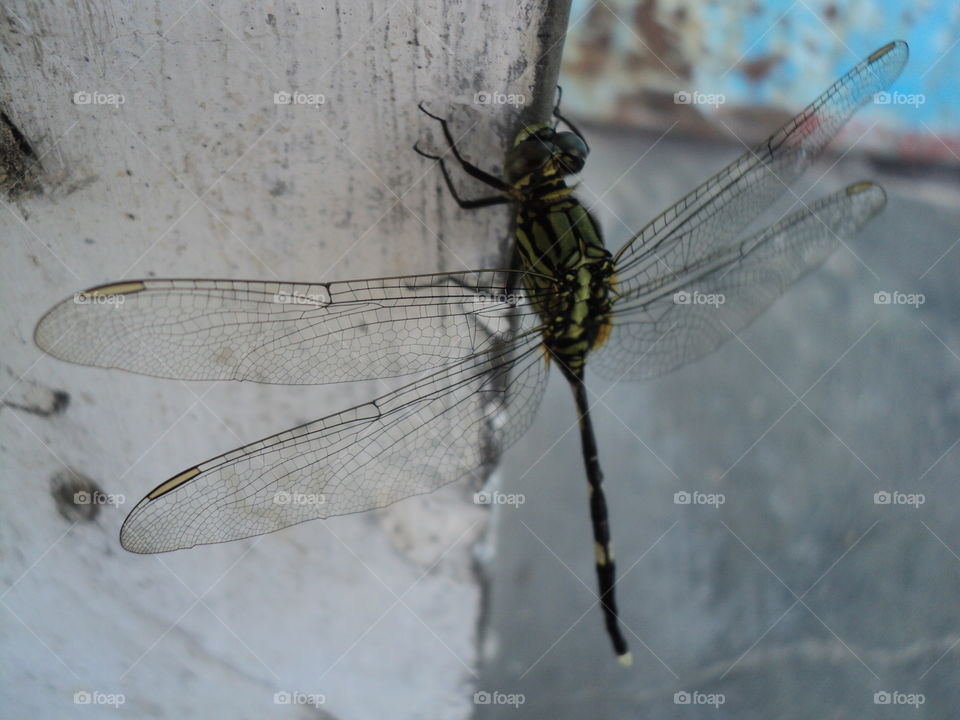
516, 263
468, 167
606, 570
463, 203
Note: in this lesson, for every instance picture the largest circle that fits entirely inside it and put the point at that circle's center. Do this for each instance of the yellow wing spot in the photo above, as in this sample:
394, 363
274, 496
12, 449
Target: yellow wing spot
173, 483
859, 187
877, 54
626, 659
124, 288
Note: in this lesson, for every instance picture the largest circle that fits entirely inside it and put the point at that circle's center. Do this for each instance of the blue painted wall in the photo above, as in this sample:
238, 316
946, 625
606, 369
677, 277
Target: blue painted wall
774, 54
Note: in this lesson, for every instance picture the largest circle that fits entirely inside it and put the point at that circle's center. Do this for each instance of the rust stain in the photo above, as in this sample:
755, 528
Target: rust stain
756, 70
662, 41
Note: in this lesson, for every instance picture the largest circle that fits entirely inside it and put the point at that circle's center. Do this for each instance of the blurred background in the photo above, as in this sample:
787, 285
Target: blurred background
737, 69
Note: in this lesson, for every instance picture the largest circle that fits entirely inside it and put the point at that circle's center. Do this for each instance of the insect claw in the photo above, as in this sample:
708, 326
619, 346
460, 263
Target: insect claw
422, 153
426, 112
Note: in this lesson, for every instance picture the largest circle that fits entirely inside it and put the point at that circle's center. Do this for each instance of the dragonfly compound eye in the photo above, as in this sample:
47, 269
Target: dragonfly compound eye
526, 158
572, 151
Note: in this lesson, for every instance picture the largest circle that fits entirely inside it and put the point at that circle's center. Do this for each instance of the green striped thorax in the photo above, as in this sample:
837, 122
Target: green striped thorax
560, 244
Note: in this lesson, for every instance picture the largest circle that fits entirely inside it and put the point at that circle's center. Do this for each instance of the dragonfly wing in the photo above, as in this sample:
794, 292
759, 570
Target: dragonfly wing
287, 333
684, 315
411, 441
714, 214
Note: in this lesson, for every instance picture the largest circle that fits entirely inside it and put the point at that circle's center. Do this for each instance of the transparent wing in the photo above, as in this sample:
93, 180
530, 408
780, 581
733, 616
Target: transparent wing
287, 333
715, 214
411, 441
682, 316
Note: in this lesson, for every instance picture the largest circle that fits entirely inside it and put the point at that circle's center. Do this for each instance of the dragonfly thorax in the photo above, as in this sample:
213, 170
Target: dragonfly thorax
571, 272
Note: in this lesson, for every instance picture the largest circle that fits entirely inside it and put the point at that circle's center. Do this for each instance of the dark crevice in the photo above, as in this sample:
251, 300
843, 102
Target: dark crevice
58, 404
19, 165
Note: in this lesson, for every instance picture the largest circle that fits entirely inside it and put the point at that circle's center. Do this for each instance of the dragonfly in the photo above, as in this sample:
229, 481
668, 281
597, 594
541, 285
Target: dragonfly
479, 343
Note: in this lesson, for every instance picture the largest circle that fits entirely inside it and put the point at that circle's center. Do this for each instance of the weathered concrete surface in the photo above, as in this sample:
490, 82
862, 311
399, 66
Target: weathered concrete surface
199, 172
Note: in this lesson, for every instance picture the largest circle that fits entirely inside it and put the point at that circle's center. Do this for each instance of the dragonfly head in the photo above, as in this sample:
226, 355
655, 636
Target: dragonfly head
539, 151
